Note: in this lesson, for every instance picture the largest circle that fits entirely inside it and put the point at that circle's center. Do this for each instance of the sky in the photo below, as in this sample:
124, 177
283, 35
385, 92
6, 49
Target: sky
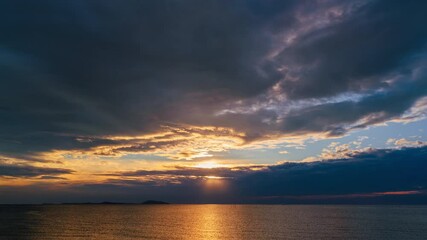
215, 101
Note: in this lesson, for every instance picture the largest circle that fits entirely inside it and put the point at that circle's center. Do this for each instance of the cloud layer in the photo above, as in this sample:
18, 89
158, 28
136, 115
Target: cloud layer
260, 67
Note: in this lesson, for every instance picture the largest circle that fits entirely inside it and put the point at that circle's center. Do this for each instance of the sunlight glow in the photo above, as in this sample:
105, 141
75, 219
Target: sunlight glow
209, 164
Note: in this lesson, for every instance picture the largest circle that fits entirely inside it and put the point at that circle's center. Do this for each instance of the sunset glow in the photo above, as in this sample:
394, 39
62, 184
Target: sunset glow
209, 164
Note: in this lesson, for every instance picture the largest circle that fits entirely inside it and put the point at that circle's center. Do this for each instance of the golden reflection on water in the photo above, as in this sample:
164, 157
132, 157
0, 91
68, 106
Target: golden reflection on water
105, 222
211, 222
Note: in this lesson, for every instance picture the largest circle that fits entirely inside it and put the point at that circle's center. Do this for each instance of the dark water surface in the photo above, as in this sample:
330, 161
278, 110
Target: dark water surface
212, 222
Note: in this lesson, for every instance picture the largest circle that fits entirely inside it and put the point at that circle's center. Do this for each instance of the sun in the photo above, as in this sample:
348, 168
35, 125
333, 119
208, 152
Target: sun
209, 164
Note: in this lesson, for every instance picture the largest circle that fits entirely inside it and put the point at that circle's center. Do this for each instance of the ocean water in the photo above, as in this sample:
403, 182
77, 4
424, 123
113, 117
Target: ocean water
212, 222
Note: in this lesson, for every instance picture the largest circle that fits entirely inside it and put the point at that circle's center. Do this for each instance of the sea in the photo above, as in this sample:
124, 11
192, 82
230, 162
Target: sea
205, 221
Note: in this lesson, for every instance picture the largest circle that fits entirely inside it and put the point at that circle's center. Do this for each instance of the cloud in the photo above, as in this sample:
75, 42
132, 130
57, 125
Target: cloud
373, 171
402, 142
81, 70
354, 52
335, 150
335, 118
338, 76
178, 171
110, 67
19, 171
173, 142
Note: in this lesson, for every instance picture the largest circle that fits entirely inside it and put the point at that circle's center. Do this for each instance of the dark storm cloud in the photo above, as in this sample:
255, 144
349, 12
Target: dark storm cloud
88, 52
368, 172
108, 67
355, 53
377, 50
83, 69
9, 170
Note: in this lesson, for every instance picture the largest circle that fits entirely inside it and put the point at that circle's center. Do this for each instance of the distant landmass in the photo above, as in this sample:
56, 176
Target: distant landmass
148, 202
154, 202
